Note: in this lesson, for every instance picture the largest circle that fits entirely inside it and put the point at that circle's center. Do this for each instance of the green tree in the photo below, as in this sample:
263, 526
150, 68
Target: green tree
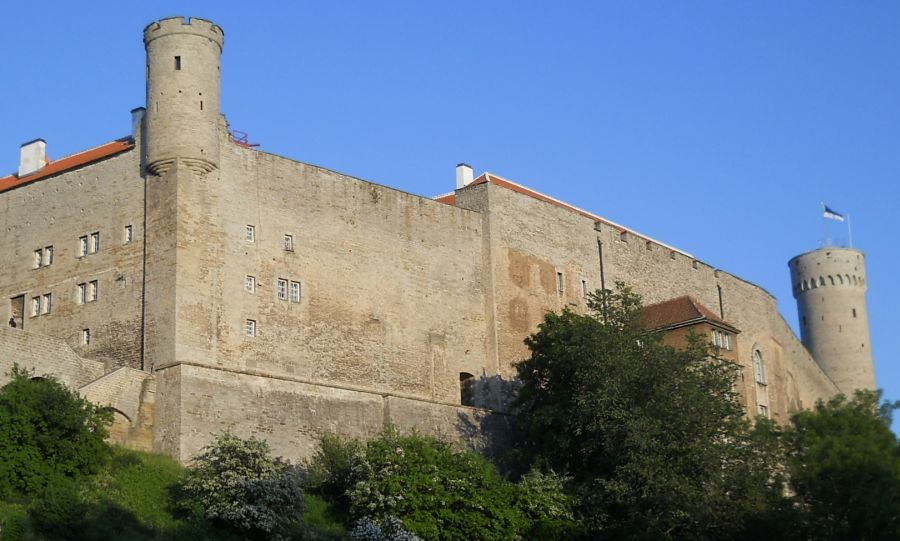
237, 483
47, 431
438, 492
844, 467
651, 436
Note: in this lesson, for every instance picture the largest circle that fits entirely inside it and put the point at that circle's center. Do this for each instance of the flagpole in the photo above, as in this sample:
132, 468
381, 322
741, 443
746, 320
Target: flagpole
849, 231
824, 226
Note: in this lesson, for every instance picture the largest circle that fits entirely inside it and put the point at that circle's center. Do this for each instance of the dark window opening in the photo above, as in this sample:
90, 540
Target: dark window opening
854, 312
201, 105
177, 63
466, 389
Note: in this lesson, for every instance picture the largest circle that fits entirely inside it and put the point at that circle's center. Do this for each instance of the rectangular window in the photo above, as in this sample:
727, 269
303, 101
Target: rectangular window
584, 288
560, 283
85, 337
95, 243
128, 235
93, 290
82, 246
177, 63
250, 284
250, 233
295, 291
250, 327
764, 411
48, 255
47, 304
289, 243
38, 258
35, 306
82, 293
282, 289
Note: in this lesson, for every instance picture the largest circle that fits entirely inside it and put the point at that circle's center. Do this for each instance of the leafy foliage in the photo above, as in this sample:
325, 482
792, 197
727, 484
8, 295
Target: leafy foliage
437, 492
390, 529
47, 431
844, 466
652, 436
237, 483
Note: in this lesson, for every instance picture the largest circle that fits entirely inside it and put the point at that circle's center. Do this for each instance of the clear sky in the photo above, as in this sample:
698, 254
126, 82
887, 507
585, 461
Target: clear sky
717, 127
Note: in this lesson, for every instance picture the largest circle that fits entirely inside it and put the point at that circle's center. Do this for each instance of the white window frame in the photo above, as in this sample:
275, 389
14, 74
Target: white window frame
46, 303
295, 291
288, 243
35, 306
95, 243
250, 233
85, 337
93, 290
48, 255
584, 289
82, 246
128, 234
38, 258
281, 289
82, 293
250, 327
759, 367
560, 283
763, 410
250, 284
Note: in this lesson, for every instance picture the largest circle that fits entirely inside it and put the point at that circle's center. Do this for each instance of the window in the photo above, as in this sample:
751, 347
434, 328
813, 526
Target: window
177, 63
38, 258
47, 303
95, 243
82, 246
250, 327
721, 339
466, 389
82, 293
623, 236
128, 234
282, 289
250, 284
85, 337
295, 291
250, 233
764, 411
759, 367
584, 288
289, 243
48, 255
560, 283
854, 314
35, 306
93, 290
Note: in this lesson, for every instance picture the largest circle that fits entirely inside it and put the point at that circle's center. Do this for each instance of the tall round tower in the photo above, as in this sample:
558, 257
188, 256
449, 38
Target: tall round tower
183, 87
830, 287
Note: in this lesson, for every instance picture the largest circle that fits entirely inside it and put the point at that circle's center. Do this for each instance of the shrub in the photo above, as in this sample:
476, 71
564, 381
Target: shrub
390, 529
237, 483
47, 431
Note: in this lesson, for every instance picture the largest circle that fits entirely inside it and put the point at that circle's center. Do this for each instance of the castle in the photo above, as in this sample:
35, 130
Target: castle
193, 284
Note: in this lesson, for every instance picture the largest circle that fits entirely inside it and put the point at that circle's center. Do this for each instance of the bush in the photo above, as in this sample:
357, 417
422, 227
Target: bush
390, 529
237, 483
47, 431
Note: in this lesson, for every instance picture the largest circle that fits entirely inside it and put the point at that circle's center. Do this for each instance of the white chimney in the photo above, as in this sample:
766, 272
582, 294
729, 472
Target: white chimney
464, 175
137, 116
32, 157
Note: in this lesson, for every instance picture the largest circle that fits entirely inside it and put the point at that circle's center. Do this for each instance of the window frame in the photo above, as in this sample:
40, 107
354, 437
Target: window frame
93, 290
94, 246
295, 287
82, 246
250, 233
250, 329
288, 242
281, 289
250, 284
759, 367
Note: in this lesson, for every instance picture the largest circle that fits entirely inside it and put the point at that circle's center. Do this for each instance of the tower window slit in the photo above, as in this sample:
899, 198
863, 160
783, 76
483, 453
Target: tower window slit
177, 63
201, 105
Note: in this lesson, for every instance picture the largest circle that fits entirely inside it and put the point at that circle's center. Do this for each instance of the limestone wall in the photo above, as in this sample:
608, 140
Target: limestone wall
102, 197
44, 355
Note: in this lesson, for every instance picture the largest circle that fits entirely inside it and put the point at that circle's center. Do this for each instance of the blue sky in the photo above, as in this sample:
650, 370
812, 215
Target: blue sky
717, 127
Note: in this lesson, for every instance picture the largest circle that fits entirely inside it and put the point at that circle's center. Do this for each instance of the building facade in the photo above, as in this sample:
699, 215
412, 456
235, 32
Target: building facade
196, 284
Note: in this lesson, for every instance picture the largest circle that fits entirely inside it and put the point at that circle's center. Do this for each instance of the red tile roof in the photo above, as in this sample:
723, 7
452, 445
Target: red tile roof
682, 311
69, 162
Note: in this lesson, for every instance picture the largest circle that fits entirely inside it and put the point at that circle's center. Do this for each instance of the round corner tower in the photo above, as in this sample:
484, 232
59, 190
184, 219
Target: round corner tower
830, 287
183, 87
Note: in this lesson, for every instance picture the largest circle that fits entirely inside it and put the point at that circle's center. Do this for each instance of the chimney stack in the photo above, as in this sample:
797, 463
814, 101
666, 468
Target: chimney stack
32, 157
464, 175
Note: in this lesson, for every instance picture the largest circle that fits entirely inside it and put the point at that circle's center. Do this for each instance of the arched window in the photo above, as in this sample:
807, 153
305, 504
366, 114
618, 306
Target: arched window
831, 279
821, 281
840, 280
759, 367
466, 389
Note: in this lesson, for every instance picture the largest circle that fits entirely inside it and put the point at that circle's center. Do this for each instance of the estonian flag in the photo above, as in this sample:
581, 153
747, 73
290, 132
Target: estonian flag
828, 213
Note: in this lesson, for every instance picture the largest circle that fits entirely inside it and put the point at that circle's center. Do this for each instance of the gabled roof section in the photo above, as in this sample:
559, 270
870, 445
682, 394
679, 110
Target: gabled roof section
69, 162
681, 312
490, 178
